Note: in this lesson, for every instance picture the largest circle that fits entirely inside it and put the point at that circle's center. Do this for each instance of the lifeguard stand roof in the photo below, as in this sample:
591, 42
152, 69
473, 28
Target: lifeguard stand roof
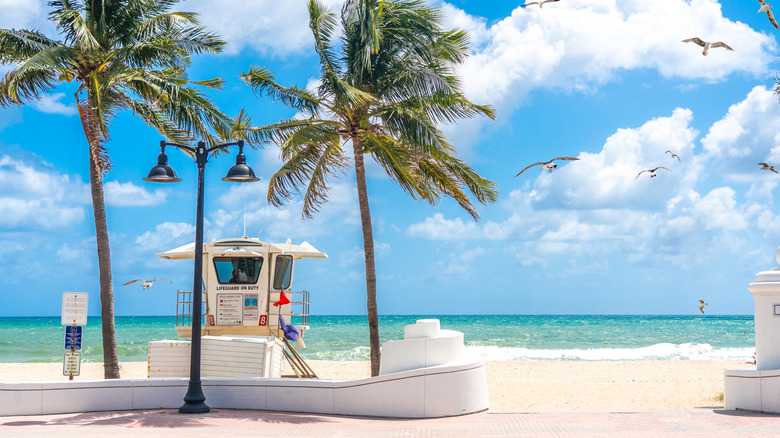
304, 250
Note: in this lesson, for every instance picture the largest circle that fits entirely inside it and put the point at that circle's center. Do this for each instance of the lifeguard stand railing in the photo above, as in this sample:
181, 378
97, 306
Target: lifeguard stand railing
184, 308
299, 304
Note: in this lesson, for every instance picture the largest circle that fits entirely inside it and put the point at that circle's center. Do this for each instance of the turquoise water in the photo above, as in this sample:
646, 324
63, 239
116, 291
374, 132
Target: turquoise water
492, 337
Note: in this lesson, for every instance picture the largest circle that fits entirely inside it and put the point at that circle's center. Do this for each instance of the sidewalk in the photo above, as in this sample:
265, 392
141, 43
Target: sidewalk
226, 422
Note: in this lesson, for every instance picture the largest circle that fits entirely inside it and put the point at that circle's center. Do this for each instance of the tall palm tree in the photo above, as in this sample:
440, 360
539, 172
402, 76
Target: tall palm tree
385, 87
120, 54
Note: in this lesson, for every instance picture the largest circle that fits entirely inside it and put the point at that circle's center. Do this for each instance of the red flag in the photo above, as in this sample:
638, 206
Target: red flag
282, 299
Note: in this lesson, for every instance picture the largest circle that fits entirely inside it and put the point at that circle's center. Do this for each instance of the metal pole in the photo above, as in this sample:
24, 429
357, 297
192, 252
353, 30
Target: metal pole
194, 400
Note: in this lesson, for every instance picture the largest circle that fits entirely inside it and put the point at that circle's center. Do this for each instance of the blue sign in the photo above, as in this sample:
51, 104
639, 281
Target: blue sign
73, 337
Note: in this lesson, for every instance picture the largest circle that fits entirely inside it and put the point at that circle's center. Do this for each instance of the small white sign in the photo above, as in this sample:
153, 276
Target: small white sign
230, 309
71, 365
74, 308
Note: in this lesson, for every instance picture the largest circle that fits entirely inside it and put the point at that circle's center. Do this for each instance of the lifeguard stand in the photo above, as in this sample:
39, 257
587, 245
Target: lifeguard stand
247, 287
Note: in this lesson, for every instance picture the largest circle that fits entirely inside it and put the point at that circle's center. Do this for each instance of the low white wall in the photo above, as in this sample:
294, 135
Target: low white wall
441, 391
752, 390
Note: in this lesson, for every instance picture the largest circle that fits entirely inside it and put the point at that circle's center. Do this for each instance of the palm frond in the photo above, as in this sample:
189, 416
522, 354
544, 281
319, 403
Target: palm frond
314, 163
77, 28
262, 81
17, 88
20, 45
324, 26
279, 132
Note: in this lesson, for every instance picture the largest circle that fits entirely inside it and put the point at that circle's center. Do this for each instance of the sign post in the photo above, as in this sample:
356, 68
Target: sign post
74, 317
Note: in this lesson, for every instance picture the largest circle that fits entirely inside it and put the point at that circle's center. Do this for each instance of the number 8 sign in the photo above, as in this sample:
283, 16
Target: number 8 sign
263, 320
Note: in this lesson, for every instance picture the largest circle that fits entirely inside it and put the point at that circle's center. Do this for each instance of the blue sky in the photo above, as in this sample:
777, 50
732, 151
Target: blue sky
607, 81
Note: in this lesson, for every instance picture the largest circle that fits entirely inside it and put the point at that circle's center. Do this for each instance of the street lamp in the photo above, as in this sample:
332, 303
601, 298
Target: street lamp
194, 400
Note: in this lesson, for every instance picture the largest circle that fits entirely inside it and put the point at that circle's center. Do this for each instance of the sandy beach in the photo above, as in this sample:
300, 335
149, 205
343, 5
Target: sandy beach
516, 386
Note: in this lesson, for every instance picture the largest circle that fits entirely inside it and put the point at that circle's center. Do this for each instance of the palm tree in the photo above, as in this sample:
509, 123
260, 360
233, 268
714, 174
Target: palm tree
120, 54
385, 88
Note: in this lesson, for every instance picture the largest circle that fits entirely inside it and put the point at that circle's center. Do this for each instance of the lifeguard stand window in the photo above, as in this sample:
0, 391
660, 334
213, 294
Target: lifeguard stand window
237, 270
283, 272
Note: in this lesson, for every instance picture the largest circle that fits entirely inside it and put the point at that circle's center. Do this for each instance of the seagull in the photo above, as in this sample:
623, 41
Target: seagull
767, 167
673, 155
652, 171
766, 7
707, 45
538, 3
701, 305
146, 283
549, 165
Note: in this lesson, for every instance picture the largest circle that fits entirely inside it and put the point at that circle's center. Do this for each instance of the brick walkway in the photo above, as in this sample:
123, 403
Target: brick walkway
225, 422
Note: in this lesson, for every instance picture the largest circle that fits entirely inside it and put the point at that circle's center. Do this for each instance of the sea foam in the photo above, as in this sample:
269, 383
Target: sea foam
662, 351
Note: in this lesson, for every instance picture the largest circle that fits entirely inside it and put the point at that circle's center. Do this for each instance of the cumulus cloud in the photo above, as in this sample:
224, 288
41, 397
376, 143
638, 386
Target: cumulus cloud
745, 136
584, 42
357, 256
263, 219
130, 195
22, 14
165, 235
50, 104
39, 198
600, 205
264, 26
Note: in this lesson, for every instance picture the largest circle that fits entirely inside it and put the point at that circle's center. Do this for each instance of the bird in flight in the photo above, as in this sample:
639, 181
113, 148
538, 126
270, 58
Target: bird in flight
673, 155
701, 305
651, 171
538, 3
767, 167
549, 165
766, 7
146, 283
707, 45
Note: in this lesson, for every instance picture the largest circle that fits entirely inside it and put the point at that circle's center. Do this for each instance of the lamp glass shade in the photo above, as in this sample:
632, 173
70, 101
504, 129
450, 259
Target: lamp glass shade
240, 172
162, 172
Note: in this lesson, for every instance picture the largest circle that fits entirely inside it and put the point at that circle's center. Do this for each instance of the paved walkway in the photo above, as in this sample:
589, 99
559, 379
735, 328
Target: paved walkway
226, 422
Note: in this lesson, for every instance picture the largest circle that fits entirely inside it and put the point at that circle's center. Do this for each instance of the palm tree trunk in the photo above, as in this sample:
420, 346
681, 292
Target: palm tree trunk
110, 360
368, 248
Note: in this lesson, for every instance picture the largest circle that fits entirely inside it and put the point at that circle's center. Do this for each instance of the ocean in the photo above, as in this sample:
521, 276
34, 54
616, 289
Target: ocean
491, 337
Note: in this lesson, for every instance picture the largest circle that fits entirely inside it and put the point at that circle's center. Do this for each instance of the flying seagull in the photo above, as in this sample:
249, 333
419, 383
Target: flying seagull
538, 3
146, 283
652, 171
701, 305
767, 167
766, 7
707, 45
549, 165
673, 155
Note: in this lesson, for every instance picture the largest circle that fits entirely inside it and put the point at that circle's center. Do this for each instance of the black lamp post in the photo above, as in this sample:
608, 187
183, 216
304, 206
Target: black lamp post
194, 400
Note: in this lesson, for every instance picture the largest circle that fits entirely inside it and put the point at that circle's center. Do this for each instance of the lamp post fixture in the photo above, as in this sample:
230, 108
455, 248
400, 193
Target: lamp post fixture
194, 400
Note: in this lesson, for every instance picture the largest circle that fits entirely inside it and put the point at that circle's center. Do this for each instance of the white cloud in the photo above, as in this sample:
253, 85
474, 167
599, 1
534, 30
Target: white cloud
439, 228
357, 256
130, 195
265, 26
76, 252
597, 207
581, 43
745, 136
22, 14
50, 104
263, 219
166, 236
459, 264
35, 198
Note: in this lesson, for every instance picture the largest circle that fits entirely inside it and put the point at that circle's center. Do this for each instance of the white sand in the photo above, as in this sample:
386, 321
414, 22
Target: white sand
516, 386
